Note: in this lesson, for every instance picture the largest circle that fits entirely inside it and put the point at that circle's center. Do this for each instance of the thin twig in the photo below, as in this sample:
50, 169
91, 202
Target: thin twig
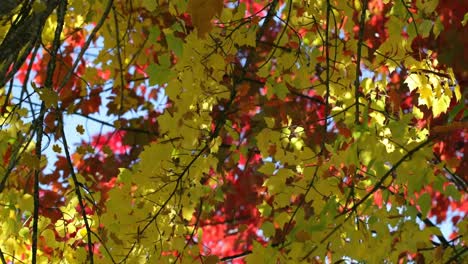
358, 59
327, 73
240, 255
119, 60
2, 257
77, 191
39, 124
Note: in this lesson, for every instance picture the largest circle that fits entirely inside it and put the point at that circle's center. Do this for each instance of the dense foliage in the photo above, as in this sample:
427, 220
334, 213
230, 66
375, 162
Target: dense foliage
200, 131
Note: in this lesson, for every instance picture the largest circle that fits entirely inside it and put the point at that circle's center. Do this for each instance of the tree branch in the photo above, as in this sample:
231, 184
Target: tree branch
77, 191
2, 257
240, 255
40, 122
358, 59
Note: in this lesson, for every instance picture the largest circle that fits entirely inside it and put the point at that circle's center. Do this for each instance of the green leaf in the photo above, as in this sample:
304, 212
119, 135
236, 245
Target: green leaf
425, 27
429, 6
280, 90
175, 44
465, 19
267, 168
425, 203
154, 33
268, 229
158, 75
453, 192
165, 60
264, 209
438, 27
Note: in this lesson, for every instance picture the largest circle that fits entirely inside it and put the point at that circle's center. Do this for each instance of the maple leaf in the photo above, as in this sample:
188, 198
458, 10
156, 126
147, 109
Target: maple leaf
57, 148
222, 129
80, 129
202, 11
47, 95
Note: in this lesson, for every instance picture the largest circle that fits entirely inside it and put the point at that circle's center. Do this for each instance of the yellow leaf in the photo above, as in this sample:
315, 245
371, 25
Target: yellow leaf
25, 202
413, 81
457, 92
202, 11
417, 113
215, 143
440, 105
48, 33
187, 212
150, 5
48, 96
425, 95
83, 232
367, 85
30, 160
270, 121
378, 117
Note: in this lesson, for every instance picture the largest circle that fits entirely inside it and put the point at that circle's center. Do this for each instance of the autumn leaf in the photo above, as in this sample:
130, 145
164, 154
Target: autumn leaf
56, 148
80, 129
212, 259
48, 96
150, 5
202, 11
237, 131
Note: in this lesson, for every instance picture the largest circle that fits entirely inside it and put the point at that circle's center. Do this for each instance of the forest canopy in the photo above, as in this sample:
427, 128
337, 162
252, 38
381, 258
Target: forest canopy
233, 131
